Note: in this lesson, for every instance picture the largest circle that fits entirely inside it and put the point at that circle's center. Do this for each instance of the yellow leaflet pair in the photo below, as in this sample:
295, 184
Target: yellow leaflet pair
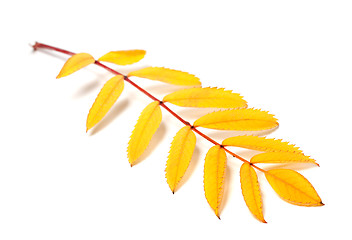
81, 60
288, 184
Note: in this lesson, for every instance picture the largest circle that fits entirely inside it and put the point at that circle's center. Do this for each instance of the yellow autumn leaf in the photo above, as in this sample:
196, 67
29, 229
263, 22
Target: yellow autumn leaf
180, 155
167, 75
124, 57
251, 191
206, 98
238, 119
214, 175
293, 187
105, 99
147, 124
261, 144
281, 157
75, 63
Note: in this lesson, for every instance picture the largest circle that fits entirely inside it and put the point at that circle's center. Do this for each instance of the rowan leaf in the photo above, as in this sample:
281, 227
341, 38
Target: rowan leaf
288, 184
261, 144
206, 98
147, 124
293, 187
214, 175
75, 63
281, 157
167, 75
251, 192
124, 57
180, 155
105, 99
238, 119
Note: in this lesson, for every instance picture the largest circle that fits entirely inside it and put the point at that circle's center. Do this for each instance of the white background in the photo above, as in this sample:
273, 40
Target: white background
292, 58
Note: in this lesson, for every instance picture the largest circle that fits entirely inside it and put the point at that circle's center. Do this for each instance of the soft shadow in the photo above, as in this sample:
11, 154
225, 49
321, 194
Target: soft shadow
89, 87
115, 111
191, 167
156, 139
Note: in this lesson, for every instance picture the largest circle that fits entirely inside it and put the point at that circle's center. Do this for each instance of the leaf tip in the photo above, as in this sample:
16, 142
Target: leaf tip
172, 189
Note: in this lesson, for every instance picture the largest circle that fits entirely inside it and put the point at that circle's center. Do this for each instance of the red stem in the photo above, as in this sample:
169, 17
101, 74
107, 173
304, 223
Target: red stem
162, 104
41, 45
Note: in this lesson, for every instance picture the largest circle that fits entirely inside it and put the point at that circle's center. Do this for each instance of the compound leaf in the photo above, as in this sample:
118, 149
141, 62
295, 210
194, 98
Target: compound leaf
180, 155
206, 98
147, 124
167, 75
124, 57
238, 119
214, 175
75, 63
293, 187
105, 99
251, 191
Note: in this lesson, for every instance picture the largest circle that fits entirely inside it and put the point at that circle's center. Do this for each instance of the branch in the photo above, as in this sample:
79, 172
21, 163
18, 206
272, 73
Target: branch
38, 45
